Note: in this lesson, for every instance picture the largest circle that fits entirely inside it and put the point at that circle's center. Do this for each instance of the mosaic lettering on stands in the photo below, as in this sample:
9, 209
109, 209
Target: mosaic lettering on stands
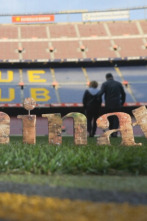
37, 84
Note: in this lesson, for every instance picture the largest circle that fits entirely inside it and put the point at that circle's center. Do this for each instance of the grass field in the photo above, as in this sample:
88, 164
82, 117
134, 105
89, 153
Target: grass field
91, 159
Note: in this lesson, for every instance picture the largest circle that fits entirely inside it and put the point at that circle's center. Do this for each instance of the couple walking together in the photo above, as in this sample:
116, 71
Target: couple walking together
114, 97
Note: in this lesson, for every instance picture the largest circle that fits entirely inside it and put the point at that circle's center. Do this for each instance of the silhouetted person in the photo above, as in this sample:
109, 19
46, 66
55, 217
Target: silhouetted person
114, 96
92, 103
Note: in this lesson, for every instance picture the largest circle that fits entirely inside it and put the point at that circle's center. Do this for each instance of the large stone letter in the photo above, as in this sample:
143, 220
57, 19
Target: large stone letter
4, 128
29, 128
125, 129
140, 115
29, 122
80, 127
54, 128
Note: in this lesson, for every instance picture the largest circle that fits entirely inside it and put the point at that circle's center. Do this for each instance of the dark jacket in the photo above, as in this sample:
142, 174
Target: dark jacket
91, 100
114, 94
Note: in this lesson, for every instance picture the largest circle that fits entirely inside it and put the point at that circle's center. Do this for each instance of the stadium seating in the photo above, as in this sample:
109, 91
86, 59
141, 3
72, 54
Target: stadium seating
99, 40
62, 30
35, 51
123, 28
8, 32
67, 50
67, 85
143, 26
32, 31
137, 78
99, 49
131, 48
70, 75
64, 42
91, 30
9, 51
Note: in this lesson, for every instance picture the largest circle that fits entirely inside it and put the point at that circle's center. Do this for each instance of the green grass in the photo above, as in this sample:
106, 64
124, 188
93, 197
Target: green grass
42, 158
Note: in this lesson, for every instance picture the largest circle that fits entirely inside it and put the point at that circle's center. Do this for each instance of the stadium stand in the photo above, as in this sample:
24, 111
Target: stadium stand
123, 28
32, 31
62, 30
99, 49
68, 75
35, 51
137, 78
8, 51
131, 48
67, 50
8, 32
143, 26
64, 52
91, 30
107, 40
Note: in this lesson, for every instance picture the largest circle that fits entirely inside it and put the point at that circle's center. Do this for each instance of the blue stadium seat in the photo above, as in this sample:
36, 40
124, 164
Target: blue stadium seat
129, 98
140, 91
98, 73
137, 78
69, 75
71, 93
134, 73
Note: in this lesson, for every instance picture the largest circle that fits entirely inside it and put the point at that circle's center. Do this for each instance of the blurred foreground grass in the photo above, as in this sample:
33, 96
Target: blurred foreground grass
97, 182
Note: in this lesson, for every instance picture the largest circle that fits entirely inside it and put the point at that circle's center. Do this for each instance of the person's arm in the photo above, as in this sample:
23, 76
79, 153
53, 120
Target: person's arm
102, 90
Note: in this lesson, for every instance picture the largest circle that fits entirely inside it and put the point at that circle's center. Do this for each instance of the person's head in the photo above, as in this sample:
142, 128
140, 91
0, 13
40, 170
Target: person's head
93, 84
109, 76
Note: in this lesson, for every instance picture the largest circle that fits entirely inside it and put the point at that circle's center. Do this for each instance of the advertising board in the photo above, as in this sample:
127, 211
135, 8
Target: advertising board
32, 18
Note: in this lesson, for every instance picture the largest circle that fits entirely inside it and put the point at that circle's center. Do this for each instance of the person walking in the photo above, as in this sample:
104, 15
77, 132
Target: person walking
114, 96
92, 103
